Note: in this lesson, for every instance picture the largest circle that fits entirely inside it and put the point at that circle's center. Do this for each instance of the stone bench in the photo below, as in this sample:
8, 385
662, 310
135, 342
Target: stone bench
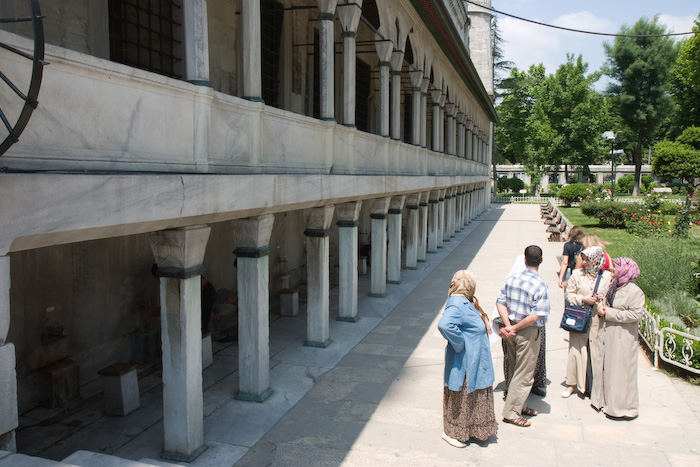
60, 383
289, 302
120, 388
207, 350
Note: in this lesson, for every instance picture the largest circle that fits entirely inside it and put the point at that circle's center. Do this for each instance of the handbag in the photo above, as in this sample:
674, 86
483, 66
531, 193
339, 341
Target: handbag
578, 318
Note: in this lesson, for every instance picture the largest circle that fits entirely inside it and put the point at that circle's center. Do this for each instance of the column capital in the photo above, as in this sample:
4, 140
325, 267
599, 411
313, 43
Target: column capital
396, 204
434, 196
449, 108
436, 95
348, 213
379, 206
318, 221
349, 15
416, 78
252, 236
180, 252
412, 201
326, 7
384, 49
424, 196
397, 60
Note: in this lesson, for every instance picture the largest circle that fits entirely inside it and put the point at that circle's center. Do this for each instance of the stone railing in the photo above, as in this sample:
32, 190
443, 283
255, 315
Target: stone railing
671, 345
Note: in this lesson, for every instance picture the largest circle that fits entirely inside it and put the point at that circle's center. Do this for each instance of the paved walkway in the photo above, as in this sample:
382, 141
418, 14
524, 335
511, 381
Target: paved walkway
374, 397
382, 403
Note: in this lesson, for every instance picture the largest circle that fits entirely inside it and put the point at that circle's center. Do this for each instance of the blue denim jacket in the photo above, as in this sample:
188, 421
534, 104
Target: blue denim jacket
467, 353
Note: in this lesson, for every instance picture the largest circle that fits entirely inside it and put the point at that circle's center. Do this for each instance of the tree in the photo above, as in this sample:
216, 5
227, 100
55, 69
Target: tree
577, 114
639, 64
680, 159
685, 82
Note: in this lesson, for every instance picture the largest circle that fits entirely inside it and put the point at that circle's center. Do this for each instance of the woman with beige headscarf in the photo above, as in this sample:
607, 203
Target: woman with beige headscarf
468, 409
579, 291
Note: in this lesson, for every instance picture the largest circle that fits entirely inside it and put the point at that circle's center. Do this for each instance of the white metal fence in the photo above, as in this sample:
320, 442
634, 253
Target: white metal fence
671, 345
526, 199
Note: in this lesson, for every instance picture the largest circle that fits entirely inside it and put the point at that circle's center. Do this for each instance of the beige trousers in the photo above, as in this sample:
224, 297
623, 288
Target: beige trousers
521, 352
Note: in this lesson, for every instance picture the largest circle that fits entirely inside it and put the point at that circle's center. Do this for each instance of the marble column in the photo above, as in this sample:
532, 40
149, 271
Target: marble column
378, 213
326, 17
452, 213
433, 221
450, 147
412, 230
423, 225
9, 418
424, 113
437, 123
441, 126
441, 220
393, 272
196, 42
348, 215
179, 254
468, 151
469, 205
349, 15
251, 53
462, 208
396, 65
252, 236
460, 135
384, 50
416, 81
318, 229
447, 229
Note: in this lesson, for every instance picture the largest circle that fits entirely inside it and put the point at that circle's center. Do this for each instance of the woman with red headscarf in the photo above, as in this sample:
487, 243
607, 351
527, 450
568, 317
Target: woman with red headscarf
615, 381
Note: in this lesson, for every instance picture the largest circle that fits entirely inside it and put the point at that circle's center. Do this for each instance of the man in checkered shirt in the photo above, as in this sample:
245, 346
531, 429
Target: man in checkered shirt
523, 305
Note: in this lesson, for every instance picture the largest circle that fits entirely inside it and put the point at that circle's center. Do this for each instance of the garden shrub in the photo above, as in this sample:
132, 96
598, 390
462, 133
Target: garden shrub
609, 213
513, 184
625, 184
573, 193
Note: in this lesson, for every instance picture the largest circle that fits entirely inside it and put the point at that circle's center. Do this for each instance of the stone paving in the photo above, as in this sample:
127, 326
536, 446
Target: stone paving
374, 397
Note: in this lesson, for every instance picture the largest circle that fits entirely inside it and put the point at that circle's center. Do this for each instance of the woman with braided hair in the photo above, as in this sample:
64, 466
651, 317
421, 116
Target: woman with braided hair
468, 409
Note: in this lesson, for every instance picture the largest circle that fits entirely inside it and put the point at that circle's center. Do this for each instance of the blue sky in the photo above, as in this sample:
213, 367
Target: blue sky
527, 44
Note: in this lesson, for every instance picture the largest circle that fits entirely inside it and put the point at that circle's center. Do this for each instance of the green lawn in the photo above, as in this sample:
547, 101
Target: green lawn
616, 238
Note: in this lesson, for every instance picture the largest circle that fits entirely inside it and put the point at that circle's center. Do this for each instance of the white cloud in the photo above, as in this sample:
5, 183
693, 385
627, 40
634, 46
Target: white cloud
585, 21
526, 44
677, 23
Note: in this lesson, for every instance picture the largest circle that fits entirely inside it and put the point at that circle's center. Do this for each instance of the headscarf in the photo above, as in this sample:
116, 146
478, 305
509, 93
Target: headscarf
464, 284
626, 270
595, 259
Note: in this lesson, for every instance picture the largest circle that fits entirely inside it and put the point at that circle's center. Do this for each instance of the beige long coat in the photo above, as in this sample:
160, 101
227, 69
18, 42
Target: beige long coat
615, 373
579, 286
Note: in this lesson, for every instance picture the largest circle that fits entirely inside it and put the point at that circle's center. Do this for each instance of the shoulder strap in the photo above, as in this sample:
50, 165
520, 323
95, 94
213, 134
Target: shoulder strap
597, 282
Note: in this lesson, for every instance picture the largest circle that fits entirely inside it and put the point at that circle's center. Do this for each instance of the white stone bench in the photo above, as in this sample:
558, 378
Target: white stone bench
120, 388
289, 302
662, 190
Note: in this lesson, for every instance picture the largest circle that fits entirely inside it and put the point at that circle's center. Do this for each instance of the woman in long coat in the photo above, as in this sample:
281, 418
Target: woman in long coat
579, 291
468, 409
615, 378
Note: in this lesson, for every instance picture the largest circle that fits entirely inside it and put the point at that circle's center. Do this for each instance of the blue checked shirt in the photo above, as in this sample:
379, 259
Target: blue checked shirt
525, 294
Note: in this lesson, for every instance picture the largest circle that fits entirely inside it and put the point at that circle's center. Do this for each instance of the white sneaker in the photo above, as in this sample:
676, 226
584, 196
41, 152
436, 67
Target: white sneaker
453, 442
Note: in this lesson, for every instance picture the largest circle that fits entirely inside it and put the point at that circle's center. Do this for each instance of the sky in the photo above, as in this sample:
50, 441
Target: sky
527, 44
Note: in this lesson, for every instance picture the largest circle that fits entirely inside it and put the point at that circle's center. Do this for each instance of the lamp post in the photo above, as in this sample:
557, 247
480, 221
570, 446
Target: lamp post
612, 136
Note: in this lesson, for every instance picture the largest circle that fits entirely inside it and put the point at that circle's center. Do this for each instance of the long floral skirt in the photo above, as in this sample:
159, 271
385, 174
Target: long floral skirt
466, 416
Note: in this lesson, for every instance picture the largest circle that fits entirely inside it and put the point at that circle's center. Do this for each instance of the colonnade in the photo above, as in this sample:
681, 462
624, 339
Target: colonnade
458, 128
179, 254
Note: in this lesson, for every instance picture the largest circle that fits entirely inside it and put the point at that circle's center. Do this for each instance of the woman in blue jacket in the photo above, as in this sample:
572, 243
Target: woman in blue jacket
468, 410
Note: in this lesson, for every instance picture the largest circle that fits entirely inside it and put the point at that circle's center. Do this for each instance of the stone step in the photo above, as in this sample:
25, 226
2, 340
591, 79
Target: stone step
9, 459
97, 459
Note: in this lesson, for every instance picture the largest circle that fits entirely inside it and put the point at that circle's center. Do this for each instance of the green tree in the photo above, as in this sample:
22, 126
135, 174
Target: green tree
639, 61
685, 82
680, 159
577, 114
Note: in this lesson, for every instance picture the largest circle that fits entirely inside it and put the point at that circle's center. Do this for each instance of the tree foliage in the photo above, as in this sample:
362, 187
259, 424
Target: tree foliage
685, 82
680, 159
549, 120
639, 65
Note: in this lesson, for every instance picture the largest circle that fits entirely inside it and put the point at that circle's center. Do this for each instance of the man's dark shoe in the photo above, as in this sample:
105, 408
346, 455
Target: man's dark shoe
539, 391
